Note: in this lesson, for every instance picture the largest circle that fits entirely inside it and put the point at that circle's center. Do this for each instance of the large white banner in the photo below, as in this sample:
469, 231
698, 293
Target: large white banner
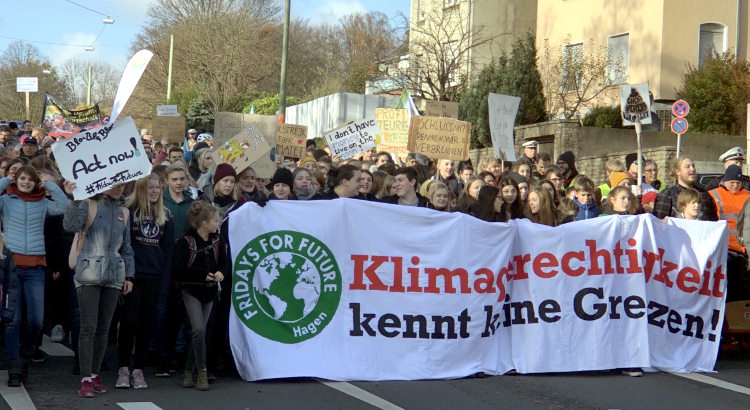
102, 157
130, 77
320, 291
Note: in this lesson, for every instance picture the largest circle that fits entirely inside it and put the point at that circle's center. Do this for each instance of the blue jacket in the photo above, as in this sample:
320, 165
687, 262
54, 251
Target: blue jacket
106, 257
23, 221
586, 211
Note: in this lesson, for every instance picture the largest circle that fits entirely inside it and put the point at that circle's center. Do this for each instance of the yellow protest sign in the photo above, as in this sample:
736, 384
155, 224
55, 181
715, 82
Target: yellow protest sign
243, 149
394, 126
439, 138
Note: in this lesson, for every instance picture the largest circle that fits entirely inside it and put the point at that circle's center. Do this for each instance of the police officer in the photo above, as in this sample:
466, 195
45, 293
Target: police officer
735, 156
529, 152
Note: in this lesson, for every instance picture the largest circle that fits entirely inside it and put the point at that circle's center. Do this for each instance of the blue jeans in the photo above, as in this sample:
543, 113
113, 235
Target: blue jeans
31, 292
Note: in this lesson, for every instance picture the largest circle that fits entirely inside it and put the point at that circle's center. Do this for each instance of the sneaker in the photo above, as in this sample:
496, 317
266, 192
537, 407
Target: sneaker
57, 335
14, 380
187, 380
98, 386
139, 382
162, 372
38, 356
86, 389
123, 378
632, 372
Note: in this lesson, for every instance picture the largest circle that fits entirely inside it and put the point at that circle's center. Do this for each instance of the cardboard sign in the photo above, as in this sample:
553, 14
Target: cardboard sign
291, 140
439, 138
169, 110
445, 109
394, 125
635, 104
102, 157
171, 128
353, 138
243, 149
503, 110
229, 124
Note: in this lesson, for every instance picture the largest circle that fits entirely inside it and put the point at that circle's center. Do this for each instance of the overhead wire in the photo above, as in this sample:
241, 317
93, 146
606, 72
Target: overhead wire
89, 9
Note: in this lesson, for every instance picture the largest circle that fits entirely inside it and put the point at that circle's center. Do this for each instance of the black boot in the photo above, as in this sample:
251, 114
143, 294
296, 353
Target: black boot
15, 367
25, 369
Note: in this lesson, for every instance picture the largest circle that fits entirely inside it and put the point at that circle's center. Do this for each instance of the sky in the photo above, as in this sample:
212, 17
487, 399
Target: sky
61, 30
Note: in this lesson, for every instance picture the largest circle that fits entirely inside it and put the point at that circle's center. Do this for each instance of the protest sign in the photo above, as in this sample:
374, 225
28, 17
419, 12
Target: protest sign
353, 138
503, 110
243, 149
394, 126
130, 77
635, 104
61, 122
171, 128
445, 109
441, 138
605, 293
229, 124
291, 140
102, 157
169, 110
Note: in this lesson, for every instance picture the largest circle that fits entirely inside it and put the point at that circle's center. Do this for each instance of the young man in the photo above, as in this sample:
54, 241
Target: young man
346, 183
177, 197
405, 184
5, 134
567, 163
174, 154
666, 201
445, 175
584, 198
543, 161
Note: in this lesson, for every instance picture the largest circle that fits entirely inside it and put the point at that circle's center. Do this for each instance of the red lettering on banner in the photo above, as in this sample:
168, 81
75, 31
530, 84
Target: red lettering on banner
705, 291
545, 260
486, 282
633, 260
566, 263
414, 272
398, 270
666, 267
718, 276
520, 261
372, 276
594, 255
688, 275
448, 276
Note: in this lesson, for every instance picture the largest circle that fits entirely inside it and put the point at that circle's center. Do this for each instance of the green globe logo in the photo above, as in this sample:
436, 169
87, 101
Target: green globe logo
286, 286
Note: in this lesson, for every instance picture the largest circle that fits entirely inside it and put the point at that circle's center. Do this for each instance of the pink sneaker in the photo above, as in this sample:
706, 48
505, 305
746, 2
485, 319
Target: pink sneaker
86, 389
97, 384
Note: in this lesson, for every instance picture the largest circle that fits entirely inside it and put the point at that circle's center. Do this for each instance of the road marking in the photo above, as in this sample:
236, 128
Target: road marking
55, 349
16, 397
360, 394
139, 405
714, 382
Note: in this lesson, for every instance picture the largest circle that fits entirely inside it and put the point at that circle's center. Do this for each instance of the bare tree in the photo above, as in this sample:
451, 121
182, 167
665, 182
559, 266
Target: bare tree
440, 45
576, 78
104, 81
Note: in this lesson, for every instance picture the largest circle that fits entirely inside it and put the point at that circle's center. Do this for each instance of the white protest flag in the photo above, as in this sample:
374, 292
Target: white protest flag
133, 71
102, 157
312, 296
503, 110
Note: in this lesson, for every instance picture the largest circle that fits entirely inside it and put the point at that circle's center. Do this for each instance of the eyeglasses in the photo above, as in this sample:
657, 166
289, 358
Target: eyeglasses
649, 170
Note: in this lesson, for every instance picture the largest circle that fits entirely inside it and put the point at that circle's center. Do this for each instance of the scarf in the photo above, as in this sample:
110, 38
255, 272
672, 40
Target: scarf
37, 194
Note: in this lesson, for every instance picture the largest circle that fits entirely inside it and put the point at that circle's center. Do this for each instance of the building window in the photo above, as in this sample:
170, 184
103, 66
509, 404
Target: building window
572, 66
712, 41
452, 61
617, 58
450, 3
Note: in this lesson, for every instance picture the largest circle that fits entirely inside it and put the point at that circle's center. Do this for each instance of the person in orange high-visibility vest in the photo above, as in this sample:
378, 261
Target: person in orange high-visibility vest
729, 198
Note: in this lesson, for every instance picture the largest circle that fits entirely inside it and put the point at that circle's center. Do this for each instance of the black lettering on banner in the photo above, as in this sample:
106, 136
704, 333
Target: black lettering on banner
659, 310
600, 308
359, 325
490, 323
547, 307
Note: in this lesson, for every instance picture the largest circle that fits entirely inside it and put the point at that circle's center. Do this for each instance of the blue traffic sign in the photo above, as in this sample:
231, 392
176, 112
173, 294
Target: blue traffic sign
680, 108
679, 125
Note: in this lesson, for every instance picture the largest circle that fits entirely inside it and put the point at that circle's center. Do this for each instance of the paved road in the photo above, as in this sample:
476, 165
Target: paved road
52, 386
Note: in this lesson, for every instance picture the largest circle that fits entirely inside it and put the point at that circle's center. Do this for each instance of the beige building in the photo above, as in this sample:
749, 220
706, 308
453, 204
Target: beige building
655, 39
455, 26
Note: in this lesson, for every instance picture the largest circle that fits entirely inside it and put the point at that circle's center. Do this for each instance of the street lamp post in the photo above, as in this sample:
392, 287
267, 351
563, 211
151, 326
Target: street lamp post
284, 53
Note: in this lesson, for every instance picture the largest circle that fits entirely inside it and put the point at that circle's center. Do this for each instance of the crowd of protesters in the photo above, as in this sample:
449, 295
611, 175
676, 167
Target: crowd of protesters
146, 265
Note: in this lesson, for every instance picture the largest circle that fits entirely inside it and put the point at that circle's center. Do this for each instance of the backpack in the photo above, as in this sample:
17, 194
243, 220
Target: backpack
743, 231
193, 248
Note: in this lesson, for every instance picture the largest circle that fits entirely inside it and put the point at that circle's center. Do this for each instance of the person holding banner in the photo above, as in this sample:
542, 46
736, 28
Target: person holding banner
346, 182
489, 205
686, 174
440, 197
248, 189
541, 209
151, 234
405, 183
281, 185
365, 187
23, 209
470, 194
104, 269
512, 205
303, 186
620, 201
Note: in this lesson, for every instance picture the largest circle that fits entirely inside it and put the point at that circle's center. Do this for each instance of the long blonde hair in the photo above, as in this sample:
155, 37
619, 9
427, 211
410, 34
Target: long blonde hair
140, 206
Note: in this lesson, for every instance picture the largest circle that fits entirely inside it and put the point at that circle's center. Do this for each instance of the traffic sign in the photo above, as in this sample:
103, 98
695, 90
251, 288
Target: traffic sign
679, 125
680, 108
27, 84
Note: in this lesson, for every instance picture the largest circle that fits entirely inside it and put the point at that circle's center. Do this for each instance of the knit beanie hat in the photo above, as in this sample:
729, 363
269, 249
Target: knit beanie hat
649, 196
282, 175
224, 170
616, 178
305, 160
517, 178
733, 173
568, 158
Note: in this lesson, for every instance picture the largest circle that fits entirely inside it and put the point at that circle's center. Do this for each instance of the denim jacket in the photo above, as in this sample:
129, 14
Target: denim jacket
106, 257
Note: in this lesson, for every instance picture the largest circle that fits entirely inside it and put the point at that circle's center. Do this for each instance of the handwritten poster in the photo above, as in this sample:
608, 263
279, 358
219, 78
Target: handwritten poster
291, 140
432, 108
229, 124
635, 104
439, 138
503, 109
394, 125
353, 138
102, 157
169, 127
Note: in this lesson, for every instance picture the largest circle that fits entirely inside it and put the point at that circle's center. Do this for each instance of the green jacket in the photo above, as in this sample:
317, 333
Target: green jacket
179, 211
